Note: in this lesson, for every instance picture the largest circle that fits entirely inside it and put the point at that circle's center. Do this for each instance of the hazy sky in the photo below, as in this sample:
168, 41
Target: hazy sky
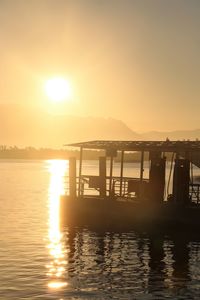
134, 60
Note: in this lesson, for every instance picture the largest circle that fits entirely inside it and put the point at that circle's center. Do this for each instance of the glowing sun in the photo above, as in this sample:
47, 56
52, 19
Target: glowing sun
58, 89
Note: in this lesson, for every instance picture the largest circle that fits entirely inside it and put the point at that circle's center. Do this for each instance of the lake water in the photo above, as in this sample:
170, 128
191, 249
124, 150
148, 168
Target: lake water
38, 261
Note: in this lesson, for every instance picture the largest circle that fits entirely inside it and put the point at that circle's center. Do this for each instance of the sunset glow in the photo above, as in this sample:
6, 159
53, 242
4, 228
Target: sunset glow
56, 267
56, 285
58, 89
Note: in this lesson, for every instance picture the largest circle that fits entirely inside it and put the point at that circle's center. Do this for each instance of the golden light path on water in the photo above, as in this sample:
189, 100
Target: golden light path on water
56, 267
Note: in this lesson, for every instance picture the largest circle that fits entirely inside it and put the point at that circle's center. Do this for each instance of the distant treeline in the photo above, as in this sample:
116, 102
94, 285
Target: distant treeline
47, 153
44, 153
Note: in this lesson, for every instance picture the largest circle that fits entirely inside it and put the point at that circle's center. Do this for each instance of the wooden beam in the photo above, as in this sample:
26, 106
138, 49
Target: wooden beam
111, 175
142, 165
102, 175
121, 171
72, 177
80, 170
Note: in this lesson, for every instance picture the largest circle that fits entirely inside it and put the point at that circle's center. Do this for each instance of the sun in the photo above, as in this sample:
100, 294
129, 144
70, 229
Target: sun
58, 89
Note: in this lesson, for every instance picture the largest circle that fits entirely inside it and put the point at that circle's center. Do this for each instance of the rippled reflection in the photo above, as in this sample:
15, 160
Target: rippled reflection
124, 264
57, 251
99, 264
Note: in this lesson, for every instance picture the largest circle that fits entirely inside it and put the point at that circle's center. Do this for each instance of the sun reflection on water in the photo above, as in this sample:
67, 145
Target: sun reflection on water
56, 267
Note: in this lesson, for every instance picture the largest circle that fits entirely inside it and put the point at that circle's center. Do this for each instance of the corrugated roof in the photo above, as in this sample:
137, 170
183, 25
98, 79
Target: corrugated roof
164, 146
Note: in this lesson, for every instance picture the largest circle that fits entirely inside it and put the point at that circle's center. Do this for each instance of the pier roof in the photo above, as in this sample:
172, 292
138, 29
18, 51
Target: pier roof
163, 146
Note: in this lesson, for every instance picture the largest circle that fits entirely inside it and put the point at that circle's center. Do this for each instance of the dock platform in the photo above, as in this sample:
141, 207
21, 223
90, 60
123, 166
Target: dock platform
105, 198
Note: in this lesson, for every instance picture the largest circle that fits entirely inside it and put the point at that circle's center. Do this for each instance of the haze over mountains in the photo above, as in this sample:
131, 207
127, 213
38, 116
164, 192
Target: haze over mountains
25, 127
172, 135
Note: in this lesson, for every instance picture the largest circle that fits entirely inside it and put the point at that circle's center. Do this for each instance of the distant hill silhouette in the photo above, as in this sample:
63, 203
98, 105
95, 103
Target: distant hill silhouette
24, 127
28, 127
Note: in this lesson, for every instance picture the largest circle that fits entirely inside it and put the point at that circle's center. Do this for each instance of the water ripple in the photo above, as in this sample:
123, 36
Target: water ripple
37, 261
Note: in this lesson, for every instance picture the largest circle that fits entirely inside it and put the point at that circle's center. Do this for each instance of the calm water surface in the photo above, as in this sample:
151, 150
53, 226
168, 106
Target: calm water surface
38, 261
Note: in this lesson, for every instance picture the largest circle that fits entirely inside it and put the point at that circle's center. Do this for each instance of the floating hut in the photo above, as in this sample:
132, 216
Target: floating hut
109, 199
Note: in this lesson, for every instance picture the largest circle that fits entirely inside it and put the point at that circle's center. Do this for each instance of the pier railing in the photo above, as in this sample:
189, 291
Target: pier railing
194, 191
126, 187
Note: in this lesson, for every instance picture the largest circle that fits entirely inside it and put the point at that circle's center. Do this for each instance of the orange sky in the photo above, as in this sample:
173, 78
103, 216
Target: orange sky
137, 61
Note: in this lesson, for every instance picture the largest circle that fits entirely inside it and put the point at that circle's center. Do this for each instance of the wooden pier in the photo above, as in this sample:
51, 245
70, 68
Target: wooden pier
112, 199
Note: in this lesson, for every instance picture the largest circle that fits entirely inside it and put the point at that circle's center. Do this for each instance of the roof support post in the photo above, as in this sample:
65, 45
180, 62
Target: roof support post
141, 174
72, 177
80, 171
142, 165
121, 171
111, 175
102, 176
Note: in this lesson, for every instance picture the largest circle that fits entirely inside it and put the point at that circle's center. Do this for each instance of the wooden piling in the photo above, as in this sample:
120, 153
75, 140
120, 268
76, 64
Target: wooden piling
181, 181
157, 177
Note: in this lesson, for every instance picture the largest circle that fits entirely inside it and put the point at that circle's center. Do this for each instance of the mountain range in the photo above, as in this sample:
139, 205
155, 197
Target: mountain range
29, 127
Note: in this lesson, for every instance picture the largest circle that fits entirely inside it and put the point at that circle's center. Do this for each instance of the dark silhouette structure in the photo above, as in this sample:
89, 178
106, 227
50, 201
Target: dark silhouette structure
140, 199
